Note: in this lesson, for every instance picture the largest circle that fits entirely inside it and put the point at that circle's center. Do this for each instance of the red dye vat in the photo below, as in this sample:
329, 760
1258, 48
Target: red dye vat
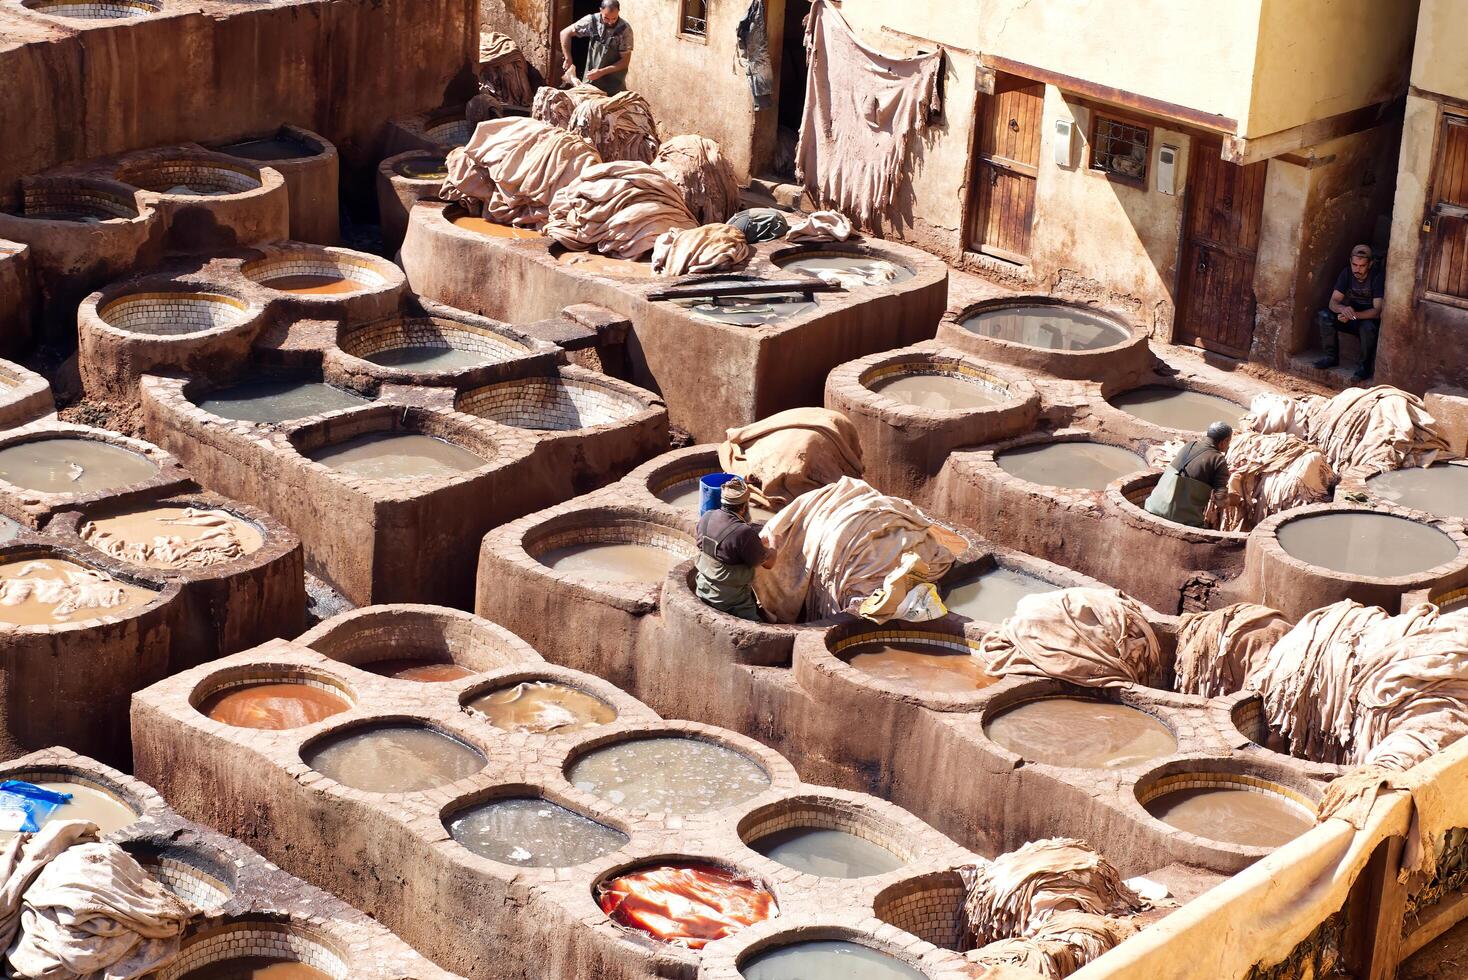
687, 904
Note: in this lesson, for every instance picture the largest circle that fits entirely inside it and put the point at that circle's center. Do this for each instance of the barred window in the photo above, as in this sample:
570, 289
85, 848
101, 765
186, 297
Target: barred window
693, 18
1120, 147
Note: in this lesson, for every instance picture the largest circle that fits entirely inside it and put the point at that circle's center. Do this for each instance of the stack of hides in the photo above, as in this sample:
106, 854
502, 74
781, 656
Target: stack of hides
697, 168
791, 453
707, 248
504, 73
619, 209
1091, 637
819, 226
1217, 651
620, 126
836, 546
511, 169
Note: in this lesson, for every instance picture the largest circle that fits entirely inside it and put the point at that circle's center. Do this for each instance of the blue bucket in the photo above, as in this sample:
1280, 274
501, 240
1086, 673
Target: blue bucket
708, 491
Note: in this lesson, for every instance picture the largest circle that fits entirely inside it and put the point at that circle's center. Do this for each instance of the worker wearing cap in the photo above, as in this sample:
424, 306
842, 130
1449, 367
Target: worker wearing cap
610, 51
1355, 307
729, 550
1189, 482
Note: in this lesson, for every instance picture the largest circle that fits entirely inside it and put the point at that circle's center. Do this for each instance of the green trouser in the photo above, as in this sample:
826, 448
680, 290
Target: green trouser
728, 588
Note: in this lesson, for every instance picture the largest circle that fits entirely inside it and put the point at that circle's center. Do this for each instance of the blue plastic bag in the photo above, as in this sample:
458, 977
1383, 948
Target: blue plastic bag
24, 806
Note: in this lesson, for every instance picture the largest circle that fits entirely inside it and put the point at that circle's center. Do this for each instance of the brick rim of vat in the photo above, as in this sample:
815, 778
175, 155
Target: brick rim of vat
918, 886
1227, 711
309, 737
278, 540
986, 460
723, 960
95, 310
854, 379
133, 168
271, 672
221, 942
1265, 537
371, 273
212, 871
170, 470
602, 520
605, 814
1136, 334
450, 427
1265, 777
520, 349
424, 124
1117, 491
390, 168
97, 11
164, 590
635, 404
1356, 484
123, 196
321, 148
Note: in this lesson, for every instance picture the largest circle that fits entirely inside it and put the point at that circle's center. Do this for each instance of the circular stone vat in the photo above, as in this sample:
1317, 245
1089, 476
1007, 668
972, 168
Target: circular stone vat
173, 536
1366, 543
255, 951
1229, 808
827, 959
79, 201
315, 272
532, 833
669, 774
200, 875
930, 663
94, 9
427, 166
90, 800
542, 708
1440, 490
704, 902
400, 757
990, 597
51, 590
274, 705
747, 311
420, 645
936, 387
1076, 465
73, 464
492, 229
277, 401
1080, 733
849, 270
428, 344
191, 176
396, 456
1178, 408
280, 146
608, 548
1048, 327
173, 314
453, 131
550, 404
822, 840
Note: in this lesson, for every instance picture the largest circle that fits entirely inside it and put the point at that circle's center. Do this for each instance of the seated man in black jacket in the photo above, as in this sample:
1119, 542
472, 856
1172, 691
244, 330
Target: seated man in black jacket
1355, 307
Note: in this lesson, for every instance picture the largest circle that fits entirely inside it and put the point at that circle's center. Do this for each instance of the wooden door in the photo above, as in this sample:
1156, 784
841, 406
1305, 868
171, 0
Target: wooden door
1215, 301
1007, 157
1446, 279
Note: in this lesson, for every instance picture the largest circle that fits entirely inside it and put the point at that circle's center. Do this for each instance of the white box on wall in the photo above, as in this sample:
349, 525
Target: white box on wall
1168, 157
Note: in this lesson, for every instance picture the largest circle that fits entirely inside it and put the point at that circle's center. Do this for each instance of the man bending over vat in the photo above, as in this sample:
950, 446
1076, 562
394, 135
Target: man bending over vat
1354, 307
1189, 482
729, 548
610, 51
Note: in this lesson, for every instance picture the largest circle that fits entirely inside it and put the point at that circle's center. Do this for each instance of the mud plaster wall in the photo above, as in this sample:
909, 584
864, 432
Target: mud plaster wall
230, 71
528, 22
1421, 342
1312, 217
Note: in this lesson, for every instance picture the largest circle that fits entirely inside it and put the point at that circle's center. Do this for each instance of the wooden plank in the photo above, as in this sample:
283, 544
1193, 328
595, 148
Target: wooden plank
1444, 915
692, 289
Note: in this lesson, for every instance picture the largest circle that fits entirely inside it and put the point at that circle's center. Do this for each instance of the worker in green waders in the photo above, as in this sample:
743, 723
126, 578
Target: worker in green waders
1196, 473
729, 550
610, 50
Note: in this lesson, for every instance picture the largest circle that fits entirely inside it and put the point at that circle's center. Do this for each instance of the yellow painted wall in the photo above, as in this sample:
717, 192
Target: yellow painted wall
1440, 62
1320, 58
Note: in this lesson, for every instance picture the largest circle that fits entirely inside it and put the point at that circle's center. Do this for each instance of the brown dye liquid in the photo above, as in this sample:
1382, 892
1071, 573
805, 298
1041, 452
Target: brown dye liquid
923, 667
174, 537
612, 562
1072, 465
417, 669
1378, 545
1233, 816
604, 264
66, 465
481, 227
314, 285
255, 968
543, 707
669, 775
48, 591
273, 148
101, 808
992, 596
685, 496
273, 706
939, 392
394, 759
1178, 408
1048, 327
1441, 490
1081, 733
278, 401
396, 456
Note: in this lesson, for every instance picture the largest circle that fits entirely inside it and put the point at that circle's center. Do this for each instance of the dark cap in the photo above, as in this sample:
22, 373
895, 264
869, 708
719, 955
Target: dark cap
1361, 251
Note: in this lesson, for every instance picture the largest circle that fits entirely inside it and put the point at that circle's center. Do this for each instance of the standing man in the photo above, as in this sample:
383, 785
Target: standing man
1355, 307
1195, 475
729, 549
610, 51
